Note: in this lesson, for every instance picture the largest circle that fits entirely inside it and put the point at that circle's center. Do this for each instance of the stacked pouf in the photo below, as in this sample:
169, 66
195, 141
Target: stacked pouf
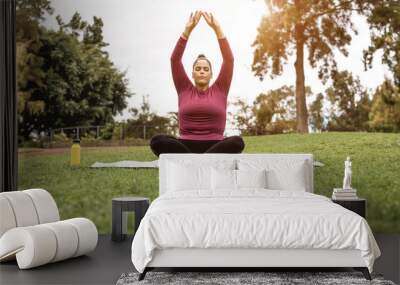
31, 230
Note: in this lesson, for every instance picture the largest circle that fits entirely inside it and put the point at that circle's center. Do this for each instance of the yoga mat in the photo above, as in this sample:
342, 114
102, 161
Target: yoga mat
127, 164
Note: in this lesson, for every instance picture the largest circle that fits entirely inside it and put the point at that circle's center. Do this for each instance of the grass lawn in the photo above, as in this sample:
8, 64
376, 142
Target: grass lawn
87, 192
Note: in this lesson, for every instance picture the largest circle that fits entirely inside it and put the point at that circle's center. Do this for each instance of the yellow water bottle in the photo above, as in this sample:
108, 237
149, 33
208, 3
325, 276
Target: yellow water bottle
75, 153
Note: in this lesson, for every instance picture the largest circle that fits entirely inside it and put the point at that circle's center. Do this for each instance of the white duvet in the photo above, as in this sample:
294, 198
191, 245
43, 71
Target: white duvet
250, 219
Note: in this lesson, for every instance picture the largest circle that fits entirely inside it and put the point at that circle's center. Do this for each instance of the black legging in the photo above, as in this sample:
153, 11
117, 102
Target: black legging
169, 144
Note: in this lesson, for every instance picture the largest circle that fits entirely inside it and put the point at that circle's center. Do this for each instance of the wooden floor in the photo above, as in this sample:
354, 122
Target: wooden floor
111, 259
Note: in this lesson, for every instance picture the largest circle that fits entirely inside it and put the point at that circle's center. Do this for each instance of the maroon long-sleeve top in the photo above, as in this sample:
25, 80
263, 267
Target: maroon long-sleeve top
202, 114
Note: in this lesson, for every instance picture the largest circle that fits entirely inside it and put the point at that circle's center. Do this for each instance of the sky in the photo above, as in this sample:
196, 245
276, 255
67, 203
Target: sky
142, 34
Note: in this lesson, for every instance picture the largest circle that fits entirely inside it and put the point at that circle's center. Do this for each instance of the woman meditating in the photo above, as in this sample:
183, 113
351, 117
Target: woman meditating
202, 108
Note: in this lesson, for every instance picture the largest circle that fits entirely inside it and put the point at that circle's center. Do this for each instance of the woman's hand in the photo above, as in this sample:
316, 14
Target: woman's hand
210, 19
191, 24
213, 23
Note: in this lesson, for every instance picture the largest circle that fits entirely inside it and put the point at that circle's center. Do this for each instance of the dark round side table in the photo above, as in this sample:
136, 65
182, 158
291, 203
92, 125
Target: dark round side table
120, 207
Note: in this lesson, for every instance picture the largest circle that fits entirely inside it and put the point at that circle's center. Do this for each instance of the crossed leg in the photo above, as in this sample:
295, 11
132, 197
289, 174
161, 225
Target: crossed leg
233, 144
167, 144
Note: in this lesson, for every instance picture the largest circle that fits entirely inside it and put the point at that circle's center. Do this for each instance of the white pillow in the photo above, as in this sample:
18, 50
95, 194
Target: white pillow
184, 174
184, 177
282, 174
223, 179
230, 179
292, 179
251, 178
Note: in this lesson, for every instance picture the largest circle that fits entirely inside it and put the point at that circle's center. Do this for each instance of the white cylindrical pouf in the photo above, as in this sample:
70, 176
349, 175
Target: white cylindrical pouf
23, 208
33, 246
87, 234
31, 232
45, 205
67, 239
7, 218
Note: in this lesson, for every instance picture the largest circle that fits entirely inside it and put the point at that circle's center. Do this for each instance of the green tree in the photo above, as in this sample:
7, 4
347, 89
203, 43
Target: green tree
384, 20
70, 81
144, 123
243, 117
350, 104
316, 118
275, 111
272, 112
173, 123
385, 111
290, 27
29, 15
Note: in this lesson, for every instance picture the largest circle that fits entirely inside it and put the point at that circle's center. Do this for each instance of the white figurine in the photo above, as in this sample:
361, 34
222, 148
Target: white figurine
347, 174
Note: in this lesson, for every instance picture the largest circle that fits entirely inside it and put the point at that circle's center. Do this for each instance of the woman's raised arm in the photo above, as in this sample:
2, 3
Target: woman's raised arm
181, 80
224, 78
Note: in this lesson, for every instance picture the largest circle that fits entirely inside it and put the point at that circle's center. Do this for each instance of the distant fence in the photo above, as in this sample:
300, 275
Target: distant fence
120, 134
75, 130
142, 131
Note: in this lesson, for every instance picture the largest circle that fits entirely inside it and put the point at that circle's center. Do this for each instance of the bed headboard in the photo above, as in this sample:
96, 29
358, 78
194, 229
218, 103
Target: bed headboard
165, 157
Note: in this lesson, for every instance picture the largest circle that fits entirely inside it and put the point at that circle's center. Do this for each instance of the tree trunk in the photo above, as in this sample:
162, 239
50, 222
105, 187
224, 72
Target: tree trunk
301, 107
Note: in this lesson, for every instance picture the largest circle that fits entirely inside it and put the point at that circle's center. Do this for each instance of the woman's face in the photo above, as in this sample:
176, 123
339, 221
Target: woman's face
202, 72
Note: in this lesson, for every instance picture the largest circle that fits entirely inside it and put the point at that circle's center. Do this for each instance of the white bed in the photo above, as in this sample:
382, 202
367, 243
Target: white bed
248, 227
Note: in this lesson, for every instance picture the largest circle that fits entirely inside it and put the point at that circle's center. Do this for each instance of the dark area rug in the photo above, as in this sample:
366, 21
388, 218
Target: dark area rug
225, 278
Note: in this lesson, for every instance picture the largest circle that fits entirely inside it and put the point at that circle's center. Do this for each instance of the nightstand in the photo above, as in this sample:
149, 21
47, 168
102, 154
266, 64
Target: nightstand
358, 206
120, 207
